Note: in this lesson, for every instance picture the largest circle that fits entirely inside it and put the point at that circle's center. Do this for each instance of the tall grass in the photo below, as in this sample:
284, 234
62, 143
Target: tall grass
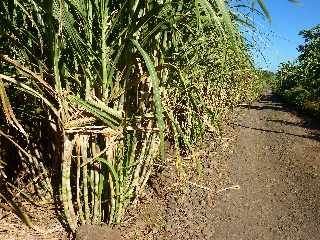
111, 81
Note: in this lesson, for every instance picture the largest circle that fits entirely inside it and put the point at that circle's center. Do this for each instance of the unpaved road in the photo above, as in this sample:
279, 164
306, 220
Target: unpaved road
276, 163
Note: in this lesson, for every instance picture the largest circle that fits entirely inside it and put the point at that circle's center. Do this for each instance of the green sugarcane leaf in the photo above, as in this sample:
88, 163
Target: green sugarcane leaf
113, 172
108, 115
264, 9
156, 94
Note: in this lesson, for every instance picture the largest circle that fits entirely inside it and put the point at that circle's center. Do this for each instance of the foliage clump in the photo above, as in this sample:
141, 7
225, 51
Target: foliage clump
299, 82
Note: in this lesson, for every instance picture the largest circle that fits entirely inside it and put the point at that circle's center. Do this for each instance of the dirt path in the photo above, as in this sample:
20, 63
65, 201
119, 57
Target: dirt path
276, 163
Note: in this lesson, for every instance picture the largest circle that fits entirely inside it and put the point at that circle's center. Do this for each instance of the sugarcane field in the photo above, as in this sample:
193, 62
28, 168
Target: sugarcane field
159, 119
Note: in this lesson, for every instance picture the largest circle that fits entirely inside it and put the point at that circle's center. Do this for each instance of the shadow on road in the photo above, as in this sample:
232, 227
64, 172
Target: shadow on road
311, 136
273, 102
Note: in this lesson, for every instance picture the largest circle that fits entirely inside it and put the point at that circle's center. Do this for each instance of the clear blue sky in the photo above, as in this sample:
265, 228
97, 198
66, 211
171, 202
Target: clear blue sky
288, 20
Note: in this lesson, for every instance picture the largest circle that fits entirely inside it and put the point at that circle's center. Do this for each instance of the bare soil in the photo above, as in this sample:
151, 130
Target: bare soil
276, 162
260, 180
44, 218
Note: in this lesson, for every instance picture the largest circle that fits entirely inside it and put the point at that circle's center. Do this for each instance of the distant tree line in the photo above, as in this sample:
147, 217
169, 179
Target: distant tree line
299, 81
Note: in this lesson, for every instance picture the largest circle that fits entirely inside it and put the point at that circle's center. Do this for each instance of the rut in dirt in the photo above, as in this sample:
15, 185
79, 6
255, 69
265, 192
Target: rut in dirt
276, 163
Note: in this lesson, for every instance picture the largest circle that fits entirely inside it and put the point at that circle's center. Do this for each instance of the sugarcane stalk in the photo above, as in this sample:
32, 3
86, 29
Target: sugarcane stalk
66, 192
84, 144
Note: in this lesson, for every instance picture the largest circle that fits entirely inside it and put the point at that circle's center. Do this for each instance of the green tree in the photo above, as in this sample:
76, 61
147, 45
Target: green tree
299, 81
309, 60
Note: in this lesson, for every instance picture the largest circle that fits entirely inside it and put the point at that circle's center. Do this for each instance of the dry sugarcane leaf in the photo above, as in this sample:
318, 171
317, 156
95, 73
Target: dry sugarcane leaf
8, 112
28, 72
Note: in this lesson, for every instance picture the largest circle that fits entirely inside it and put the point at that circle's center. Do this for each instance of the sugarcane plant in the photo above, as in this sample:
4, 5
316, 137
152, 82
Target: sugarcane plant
112, 80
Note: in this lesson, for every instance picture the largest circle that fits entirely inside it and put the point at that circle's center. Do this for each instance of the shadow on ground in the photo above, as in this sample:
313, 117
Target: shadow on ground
273, 102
